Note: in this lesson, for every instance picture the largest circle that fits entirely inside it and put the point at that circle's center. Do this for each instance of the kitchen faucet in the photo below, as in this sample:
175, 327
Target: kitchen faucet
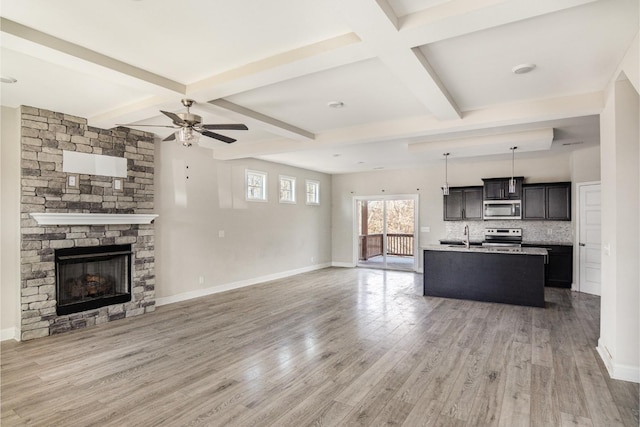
465, 239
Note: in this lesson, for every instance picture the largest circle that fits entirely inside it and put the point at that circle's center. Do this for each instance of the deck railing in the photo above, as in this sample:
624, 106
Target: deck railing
397, 244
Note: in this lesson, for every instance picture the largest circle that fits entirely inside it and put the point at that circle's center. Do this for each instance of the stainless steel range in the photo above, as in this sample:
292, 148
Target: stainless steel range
503, 237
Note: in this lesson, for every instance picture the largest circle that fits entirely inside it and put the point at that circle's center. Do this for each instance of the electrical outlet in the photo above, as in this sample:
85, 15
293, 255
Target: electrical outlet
313, 259
220, 233
201, 280
549, 231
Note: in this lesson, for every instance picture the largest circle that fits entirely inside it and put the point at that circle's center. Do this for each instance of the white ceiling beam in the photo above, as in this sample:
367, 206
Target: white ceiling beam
330, 53
86, 55
525, 114
267, 123
130, 113
459, 17
376, 25
533, 140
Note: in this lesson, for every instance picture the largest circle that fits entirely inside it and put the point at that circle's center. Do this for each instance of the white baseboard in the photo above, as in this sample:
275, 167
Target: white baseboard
616, 370
235, 285
342, 264
10, 334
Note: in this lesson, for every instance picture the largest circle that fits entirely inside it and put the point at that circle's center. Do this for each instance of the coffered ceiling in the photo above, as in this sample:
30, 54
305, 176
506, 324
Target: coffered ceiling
416, 77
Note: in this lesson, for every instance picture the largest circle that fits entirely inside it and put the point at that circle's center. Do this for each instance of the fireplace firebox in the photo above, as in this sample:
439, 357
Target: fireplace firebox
92, 277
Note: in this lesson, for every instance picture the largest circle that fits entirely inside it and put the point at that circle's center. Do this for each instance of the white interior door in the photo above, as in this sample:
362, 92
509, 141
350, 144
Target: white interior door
589, 244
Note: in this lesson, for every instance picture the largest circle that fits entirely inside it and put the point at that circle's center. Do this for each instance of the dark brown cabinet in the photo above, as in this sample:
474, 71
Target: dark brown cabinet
547, 201
463, 203
559, 266
559, 201
498, 189
534, 201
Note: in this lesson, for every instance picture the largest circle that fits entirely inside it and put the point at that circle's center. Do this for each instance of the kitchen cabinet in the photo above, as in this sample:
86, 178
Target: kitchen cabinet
463, 203
498, 189
534, 201
547, 201
559, 267
559, 201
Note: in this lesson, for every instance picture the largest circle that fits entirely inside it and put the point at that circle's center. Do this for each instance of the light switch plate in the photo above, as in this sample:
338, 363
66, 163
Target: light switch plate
117, 184
73, 180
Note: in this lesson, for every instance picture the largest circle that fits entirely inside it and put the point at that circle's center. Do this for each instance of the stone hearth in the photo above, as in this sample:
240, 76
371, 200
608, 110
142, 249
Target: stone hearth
44, 189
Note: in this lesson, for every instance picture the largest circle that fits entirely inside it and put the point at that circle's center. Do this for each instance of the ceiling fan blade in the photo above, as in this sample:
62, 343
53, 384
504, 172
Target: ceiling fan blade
171, 137
176, 119
226, 127
217, 136
154, 126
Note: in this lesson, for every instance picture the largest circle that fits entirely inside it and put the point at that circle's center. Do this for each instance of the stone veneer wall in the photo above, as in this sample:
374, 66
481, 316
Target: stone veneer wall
44, 135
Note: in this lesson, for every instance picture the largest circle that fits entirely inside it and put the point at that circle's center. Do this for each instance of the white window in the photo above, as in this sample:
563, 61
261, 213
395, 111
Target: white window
256, 186
287, 189
313, 192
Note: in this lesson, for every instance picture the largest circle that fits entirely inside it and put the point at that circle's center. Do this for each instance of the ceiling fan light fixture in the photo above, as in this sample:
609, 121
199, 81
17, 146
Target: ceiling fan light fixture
187, 136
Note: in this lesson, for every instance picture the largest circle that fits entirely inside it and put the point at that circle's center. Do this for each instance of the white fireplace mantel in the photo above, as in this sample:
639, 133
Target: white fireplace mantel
91, 218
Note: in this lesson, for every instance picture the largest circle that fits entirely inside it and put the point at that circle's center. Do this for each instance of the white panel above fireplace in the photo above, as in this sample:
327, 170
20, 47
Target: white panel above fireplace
93, 164
91, 219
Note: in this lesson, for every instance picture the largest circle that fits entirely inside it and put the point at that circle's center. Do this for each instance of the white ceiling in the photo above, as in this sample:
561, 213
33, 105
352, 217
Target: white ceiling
417, 77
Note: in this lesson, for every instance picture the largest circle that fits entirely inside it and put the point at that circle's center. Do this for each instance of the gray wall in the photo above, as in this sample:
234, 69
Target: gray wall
10, 223
262, 240
619, 343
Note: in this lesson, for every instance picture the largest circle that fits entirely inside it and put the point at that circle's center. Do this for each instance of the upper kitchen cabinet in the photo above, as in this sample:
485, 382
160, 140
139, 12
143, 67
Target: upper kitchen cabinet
547, 201
498, 189
463, 203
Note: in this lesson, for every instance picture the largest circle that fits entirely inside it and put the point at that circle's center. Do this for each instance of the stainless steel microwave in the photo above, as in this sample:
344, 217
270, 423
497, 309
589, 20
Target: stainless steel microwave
502, 209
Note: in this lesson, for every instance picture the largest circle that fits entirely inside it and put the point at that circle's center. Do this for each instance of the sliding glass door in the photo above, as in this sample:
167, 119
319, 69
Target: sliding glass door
386, 232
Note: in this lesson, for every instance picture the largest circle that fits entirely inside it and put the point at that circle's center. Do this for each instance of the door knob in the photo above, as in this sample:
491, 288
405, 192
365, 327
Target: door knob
582, 244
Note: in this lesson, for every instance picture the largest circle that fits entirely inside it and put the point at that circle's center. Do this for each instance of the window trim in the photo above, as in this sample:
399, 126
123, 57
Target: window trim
317, 193
265, 177
291, 179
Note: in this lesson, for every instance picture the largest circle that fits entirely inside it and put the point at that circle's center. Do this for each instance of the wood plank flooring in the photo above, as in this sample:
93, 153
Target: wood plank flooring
330, 347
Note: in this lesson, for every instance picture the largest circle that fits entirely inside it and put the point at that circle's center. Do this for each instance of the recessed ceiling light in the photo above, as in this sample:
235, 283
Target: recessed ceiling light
360, 163
523, 68
336, 155
335, 104
7, 79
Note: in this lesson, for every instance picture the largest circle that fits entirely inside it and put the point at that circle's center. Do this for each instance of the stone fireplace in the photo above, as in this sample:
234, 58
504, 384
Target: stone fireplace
67, 216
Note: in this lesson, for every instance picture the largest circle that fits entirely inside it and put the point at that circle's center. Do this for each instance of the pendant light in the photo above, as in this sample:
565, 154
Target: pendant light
512, 181
445, 189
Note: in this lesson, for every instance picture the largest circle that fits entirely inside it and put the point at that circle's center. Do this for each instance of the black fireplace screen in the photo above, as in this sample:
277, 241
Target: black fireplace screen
93, 277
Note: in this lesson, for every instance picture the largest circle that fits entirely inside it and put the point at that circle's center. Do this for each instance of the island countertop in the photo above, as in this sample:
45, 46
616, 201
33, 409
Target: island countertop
485, 249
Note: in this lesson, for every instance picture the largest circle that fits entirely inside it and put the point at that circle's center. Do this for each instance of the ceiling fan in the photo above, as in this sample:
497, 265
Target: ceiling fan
188, 124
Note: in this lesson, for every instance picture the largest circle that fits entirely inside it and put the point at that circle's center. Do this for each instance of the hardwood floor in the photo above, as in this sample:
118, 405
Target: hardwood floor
331, 347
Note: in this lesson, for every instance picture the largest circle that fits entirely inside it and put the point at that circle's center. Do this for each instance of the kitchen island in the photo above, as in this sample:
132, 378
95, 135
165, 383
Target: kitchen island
505, 275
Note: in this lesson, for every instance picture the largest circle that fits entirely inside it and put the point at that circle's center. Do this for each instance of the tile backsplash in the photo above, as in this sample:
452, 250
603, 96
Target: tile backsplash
532, 231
